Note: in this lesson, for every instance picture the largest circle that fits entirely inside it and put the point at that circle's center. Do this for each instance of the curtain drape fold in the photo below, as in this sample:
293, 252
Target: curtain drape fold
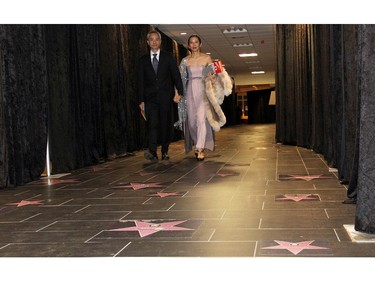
76, 84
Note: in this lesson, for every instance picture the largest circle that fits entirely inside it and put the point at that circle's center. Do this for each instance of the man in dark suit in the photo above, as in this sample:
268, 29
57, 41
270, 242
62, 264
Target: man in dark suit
158, 77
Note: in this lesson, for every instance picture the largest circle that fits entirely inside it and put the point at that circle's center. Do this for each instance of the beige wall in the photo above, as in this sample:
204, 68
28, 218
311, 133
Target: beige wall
255, 79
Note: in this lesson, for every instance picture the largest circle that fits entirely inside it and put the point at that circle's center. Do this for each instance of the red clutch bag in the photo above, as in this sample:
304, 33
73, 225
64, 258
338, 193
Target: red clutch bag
218, 66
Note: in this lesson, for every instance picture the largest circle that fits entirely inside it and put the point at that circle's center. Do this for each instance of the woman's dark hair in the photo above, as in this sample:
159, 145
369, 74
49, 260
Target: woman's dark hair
194, 35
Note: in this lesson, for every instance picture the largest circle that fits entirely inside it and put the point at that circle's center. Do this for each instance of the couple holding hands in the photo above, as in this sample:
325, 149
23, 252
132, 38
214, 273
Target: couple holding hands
198, 85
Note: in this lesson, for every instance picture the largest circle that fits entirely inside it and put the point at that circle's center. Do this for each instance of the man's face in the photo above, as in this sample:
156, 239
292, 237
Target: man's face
154, 42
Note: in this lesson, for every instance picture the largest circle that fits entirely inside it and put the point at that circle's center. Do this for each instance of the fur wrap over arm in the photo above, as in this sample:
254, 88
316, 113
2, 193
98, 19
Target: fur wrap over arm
217, 87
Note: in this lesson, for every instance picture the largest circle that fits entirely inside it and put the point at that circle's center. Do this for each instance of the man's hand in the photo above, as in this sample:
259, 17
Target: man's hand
177, 98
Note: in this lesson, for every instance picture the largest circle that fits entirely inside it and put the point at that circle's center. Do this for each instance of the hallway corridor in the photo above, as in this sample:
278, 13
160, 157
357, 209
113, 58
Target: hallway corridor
250, 198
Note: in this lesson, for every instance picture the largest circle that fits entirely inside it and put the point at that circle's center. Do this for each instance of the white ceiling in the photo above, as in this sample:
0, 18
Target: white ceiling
221, 46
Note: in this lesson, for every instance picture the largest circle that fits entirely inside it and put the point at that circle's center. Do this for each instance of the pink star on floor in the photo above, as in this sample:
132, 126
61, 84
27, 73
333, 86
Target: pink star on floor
146, 228
25, 202
297, 197
295, 247
165, 194
307, 178
137, 186
55, 181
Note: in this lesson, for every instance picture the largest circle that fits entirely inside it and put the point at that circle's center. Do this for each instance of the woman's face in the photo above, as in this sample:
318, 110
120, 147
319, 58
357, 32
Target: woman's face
194, 44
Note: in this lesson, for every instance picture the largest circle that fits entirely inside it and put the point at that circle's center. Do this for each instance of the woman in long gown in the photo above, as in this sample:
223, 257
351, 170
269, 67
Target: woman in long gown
198, 132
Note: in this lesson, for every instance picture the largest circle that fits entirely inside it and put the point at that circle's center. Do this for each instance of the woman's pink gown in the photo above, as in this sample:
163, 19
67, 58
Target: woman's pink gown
199, 128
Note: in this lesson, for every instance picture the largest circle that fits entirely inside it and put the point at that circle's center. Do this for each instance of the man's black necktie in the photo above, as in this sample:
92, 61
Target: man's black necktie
155, 63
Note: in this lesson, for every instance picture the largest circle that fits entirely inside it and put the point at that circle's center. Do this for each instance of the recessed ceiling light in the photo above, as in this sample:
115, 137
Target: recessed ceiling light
183, 33
234, 30
238, 45
257, 72
248, 55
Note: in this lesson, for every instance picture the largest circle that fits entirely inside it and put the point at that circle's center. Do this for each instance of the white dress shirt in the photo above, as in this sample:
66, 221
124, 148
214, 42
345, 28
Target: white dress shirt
157, 56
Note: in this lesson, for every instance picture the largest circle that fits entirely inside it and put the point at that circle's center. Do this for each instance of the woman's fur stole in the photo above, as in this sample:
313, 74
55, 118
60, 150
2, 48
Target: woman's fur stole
217, 87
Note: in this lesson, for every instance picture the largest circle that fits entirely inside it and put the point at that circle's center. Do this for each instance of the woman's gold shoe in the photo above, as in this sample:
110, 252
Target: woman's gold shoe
200, 156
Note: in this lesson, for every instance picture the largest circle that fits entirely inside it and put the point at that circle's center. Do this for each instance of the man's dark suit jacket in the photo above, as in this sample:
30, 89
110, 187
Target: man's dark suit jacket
160, 87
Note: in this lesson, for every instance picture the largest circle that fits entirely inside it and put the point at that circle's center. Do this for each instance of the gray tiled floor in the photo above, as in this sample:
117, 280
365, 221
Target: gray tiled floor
250, 198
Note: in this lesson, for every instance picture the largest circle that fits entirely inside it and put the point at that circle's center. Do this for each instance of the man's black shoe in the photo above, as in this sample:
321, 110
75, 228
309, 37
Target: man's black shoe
149, 156
165, 157
350, 201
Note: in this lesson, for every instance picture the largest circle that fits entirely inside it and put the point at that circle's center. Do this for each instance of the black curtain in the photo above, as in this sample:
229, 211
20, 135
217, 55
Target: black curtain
23, 104
321, 102
293, 84
94, 113
325, 100
350, 103
76, 85
365, 212
134, 45
317, 89
76, 130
